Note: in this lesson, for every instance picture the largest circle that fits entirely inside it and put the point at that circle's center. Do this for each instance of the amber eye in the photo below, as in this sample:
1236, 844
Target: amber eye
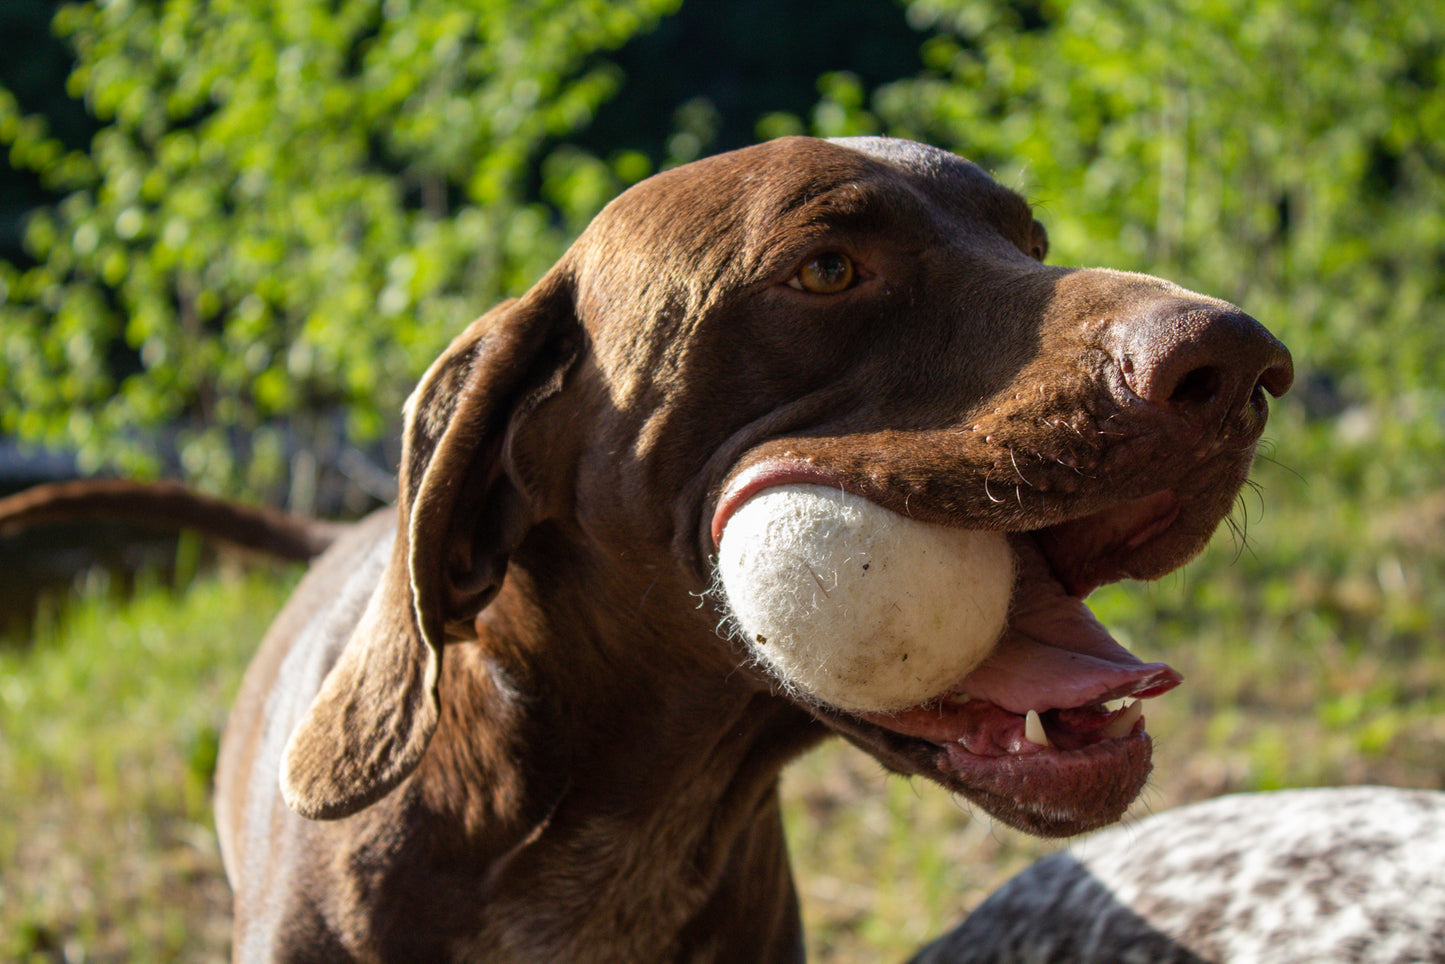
827, 274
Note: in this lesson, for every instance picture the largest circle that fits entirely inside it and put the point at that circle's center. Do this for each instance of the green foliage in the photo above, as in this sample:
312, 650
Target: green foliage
291, 208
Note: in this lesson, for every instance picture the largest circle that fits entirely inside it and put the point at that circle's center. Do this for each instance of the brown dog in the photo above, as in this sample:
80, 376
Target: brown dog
505, 724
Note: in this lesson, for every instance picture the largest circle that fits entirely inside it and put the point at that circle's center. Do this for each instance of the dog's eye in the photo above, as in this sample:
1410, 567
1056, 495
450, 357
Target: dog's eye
827, 274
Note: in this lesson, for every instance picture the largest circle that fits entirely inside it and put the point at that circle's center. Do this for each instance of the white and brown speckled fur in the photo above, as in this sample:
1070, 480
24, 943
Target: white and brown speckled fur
1352, 874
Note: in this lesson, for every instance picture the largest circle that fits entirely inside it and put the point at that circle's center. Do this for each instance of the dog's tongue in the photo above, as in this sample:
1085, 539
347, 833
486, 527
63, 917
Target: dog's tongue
1054, 655
1080, 667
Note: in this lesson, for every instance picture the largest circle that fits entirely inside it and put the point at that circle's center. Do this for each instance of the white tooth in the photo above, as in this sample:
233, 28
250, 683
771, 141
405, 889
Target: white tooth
1034, 729
1123, 724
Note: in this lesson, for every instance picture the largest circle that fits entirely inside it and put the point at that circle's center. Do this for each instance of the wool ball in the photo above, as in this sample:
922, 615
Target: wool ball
858, 606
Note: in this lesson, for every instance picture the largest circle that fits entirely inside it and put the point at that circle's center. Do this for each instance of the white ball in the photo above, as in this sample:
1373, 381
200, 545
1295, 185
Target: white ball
857, 606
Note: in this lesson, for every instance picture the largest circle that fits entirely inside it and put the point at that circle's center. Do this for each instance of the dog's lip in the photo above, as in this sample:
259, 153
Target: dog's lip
1050, 791
992, 726
1085, 781
1092, 550
1086, 550
766, 475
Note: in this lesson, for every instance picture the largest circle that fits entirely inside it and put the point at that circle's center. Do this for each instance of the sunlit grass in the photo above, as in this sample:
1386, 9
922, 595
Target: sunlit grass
108, 727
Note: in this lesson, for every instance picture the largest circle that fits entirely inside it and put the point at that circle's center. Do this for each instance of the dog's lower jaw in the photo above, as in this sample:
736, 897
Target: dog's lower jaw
1047, 792
1088, 789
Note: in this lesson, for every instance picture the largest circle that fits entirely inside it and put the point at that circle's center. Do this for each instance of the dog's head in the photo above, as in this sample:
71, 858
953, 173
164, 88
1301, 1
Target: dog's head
869, 316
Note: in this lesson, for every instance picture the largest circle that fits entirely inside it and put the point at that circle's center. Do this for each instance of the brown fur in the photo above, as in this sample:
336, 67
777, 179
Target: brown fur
167, 505
507, 701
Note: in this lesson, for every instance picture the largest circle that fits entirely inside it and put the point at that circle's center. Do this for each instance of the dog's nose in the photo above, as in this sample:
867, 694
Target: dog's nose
1208, 363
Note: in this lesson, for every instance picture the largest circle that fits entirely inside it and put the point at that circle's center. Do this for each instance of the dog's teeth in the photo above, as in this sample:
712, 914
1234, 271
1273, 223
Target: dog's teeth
1123, 724
1034, 729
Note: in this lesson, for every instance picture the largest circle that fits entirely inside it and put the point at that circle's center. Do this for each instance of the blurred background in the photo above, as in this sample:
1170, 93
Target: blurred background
233, 232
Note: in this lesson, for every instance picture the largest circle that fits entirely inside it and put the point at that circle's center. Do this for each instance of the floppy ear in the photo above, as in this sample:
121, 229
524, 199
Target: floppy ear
459, 515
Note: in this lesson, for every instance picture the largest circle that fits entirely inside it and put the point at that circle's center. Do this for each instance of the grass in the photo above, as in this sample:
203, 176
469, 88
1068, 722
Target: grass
1310, 657
108, 729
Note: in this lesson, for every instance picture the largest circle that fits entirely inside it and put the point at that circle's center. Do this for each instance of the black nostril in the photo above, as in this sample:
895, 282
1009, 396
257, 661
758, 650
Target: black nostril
1198, 387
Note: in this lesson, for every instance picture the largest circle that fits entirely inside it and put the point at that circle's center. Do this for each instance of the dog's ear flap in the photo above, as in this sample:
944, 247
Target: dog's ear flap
459, 515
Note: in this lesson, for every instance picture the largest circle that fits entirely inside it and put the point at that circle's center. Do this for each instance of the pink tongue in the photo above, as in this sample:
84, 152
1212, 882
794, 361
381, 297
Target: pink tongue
1024, 674
1055, 654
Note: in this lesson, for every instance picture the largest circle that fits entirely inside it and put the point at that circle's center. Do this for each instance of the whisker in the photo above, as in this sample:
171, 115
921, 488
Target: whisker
1014, 459
1239, 527
1265, 457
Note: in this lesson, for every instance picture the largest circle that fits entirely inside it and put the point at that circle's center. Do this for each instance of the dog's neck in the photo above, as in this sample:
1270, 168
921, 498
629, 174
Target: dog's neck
606, 821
